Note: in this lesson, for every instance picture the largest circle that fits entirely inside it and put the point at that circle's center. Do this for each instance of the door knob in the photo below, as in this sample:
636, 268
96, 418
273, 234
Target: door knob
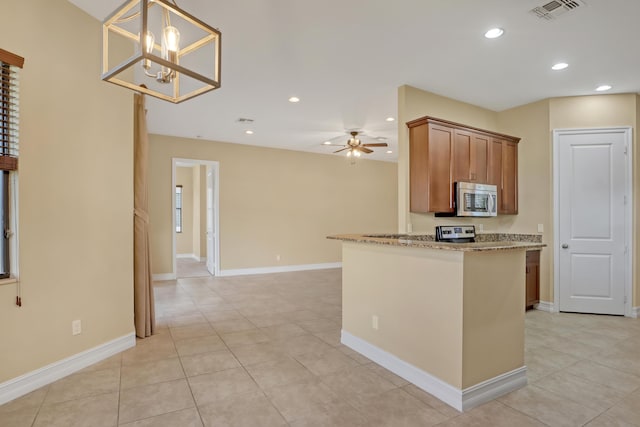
565, 246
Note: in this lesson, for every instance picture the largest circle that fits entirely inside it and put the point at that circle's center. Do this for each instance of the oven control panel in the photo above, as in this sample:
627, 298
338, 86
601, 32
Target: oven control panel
455, 233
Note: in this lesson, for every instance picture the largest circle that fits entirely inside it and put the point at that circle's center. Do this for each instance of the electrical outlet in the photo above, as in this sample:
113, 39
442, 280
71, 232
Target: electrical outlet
374, 322
278, 257
76, 327
540, 228
480, 228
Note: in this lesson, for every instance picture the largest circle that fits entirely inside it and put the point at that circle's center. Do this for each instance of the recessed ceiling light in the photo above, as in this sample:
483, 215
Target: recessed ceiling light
494, 33
390, 119
603, 88
559, 66
248, 132
389, 152
294, 99
327, 143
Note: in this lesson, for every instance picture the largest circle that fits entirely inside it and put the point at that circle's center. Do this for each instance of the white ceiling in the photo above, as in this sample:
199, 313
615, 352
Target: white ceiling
345, 60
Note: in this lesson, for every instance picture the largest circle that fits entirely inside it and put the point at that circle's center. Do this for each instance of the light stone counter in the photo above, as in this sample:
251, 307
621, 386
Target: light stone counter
484, 242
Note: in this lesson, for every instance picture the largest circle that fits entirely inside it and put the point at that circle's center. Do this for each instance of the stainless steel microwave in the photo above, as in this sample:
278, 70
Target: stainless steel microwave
476, 199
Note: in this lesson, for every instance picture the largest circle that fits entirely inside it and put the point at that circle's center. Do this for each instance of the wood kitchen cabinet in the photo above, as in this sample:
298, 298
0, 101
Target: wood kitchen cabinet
430, 166
442, 153
509, 191
532, 294
503, 173
470, 157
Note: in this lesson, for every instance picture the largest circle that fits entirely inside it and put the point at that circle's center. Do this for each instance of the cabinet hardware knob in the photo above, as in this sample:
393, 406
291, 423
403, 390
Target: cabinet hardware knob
565, 246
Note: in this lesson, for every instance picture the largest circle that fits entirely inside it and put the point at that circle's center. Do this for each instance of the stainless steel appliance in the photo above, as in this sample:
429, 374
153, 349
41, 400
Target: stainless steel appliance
476, 199
455, 233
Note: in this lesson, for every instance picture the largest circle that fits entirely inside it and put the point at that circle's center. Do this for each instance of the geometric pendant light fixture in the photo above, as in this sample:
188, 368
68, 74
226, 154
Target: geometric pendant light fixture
154, 47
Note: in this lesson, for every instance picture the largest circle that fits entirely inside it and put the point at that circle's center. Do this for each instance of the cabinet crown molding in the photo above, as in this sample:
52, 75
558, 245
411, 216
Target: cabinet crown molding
437, 121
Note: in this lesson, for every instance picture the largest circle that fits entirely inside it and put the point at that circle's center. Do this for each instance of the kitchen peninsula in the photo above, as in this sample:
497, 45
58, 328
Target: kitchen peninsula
448, 317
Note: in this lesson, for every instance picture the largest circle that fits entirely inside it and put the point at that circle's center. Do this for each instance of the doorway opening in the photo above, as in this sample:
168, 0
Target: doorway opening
593, 220
195, 217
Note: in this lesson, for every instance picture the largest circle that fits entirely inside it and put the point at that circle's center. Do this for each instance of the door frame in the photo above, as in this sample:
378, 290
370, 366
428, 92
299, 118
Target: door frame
215, 167
628, 226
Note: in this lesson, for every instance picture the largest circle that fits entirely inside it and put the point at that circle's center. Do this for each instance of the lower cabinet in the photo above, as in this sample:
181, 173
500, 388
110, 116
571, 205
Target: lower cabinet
532, 294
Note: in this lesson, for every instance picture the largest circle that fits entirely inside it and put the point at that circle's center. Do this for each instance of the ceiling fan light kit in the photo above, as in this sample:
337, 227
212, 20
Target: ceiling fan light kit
356, 147
175, 55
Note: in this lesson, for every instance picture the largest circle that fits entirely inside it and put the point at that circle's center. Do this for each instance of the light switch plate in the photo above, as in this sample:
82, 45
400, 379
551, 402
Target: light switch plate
76, 327
540, 228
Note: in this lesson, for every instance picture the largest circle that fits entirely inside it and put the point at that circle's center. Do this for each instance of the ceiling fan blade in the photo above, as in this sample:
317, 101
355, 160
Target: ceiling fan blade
345, 148
364, 149
377, 144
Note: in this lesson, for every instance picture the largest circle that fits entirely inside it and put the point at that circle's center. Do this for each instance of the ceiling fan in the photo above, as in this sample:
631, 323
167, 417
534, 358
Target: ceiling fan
356, 147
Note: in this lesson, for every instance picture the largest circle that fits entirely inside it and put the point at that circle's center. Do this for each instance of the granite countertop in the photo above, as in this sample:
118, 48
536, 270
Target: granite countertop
484, 242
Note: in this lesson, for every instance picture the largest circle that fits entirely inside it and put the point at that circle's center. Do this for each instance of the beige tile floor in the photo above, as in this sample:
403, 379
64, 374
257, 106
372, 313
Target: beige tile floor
188, 267
265, 351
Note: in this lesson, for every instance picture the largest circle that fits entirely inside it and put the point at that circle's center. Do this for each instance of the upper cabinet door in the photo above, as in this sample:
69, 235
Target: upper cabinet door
509, 178
494, 166
479, 159
470, 154
462, 155
430, 169
418, 171
440, 168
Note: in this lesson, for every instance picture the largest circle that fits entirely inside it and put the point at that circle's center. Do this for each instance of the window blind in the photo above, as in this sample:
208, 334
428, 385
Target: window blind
9, 109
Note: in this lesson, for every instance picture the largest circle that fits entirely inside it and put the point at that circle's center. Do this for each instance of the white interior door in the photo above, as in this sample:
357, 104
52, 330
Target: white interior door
210, 222
592, 186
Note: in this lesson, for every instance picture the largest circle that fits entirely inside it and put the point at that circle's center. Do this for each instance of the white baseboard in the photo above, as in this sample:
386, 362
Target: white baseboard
279, 269
635, 312
493, 388
461, 400
544, 306
163, 276
201, 259
16, 387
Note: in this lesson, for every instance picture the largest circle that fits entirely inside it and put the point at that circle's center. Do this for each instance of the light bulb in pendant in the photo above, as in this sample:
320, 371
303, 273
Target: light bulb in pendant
171, 39
170, 47
148, 43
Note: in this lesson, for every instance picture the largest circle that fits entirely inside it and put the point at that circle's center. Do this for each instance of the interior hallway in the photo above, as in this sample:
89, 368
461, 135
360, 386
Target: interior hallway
265, 351
189, 267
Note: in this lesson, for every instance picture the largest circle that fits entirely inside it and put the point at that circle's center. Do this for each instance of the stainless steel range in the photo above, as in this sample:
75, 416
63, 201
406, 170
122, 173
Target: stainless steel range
456, 233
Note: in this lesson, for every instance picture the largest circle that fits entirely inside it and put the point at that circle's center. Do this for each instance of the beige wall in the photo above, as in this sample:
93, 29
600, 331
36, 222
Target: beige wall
535, 182
184, 240
75, 197
445, 312
533, 123
411, 291
493, 318
275, 202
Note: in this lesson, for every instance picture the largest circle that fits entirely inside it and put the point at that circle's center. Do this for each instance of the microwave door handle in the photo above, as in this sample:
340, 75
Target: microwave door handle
492, 203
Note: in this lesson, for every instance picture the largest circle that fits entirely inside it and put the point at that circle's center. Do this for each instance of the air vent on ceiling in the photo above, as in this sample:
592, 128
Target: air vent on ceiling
555, 8
244, 120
